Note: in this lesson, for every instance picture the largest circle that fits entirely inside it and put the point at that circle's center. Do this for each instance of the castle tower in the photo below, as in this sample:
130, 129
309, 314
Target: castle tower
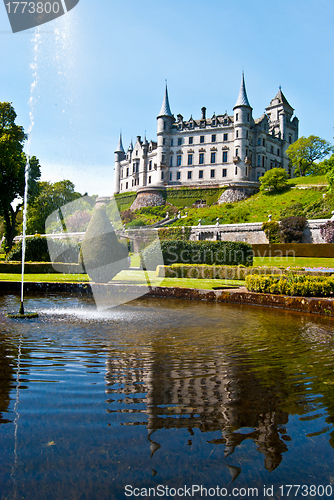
119, 156
164, 126
242, 124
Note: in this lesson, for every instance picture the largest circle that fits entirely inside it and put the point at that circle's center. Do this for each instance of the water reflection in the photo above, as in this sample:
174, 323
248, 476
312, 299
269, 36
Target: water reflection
162, 391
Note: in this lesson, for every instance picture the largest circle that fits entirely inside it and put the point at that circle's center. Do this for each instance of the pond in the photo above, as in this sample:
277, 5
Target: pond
157, 396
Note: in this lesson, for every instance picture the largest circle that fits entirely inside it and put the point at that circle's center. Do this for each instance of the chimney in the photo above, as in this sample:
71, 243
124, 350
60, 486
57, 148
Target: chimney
203, 113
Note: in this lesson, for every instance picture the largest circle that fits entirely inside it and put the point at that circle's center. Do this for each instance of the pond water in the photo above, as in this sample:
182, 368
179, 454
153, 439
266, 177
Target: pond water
164, 394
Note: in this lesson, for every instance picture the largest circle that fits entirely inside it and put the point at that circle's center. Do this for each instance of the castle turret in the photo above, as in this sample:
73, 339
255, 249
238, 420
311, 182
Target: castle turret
119, 156
242, 124
165, 122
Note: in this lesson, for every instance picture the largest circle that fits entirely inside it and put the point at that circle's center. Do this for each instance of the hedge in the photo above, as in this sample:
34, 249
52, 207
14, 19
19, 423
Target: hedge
294, 250
197, 252
305, 286
37, 250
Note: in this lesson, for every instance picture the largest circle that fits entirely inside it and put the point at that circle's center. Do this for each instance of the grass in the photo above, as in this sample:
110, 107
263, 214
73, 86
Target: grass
293, 262
309, 180
125, 277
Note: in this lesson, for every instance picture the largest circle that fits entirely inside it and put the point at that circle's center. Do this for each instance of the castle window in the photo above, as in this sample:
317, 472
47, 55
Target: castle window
237, 117
150, 165
258, 160
180, 126
179, 160
272, 149
190, 159
179, 141
127, 172
137, 152
225, 121
246, 171
137, 166
164, 141
201, 139
163, 158
200, 174
224, 156
191, 125
213, 123
225, 137
172, 142
162, 175
122, 174
126, 185
132, 182
149, 179
236, 171
213, 157
170, 176
164, 125
290, 139
178, 176
237, 152
246, 134
277, 152
133, 168
213, 138
212, 174
237, 134
171, 161
263, 142
224, 172
259, 141
190, 174
201, 158
271, 164
248, 117
191, 140
263, 161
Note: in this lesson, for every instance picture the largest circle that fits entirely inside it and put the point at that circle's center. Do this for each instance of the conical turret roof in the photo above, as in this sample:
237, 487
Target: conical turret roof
165, 108
242, 97
120, 148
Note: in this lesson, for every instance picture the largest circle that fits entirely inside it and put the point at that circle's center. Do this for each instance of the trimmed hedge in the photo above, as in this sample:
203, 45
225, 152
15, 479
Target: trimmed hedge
174, 233
294, 250
37, 250
293, 285
198, 252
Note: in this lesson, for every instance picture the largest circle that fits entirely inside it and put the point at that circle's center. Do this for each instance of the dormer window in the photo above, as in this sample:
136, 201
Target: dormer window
213, 123
137, 152
225, 121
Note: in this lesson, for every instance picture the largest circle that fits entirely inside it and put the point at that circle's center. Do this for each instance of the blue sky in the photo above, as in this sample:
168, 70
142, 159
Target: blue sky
102, 67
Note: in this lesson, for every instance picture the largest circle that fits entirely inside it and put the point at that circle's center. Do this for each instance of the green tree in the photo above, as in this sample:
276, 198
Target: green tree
13, 162
50, 197
274, 180
305, 151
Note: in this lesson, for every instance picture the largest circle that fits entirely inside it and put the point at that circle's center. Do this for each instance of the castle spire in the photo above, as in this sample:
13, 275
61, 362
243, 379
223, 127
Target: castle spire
165, 108
242, 97
120, 148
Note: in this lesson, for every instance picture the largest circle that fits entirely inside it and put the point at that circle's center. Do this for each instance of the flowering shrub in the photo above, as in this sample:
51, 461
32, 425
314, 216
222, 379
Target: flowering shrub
327, 231
305, 286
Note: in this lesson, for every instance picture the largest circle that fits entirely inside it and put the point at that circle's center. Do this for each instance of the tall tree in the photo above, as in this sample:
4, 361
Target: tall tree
307, 150
50, 197
12, 170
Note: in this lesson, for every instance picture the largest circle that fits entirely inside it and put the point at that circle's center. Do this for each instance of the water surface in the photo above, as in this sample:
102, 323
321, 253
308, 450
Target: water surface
162, 392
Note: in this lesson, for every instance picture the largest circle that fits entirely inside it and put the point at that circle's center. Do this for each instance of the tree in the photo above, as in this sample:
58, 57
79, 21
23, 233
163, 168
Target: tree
274, 180
50, 197
305, 151
13, 162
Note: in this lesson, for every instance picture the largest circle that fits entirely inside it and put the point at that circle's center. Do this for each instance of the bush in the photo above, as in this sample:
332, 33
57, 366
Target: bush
327, 231
102, 254
305, 286
292, 229
274, 180
202, 252
37, 250
272, 231
174, 233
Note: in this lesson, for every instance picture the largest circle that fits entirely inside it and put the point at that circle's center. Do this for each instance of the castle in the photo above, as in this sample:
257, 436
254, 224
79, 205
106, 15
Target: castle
223, 150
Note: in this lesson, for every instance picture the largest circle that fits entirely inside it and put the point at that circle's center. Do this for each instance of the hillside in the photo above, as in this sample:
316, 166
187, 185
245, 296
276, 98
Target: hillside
305, 196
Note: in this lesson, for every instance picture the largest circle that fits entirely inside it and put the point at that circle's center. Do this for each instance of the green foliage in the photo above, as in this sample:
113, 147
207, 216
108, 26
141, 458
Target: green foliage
124, 200
136, 223
185, 197
305, 151
50, 197
206, 252
37, 250
174, 233
272, 231
294, 285
291, 229
294, 210
274, 180
12, 170
102, 254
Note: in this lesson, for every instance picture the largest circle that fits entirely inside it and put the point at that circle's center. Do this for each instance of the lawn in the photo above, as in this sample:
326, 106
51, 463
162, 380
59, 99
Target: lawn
313, 262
